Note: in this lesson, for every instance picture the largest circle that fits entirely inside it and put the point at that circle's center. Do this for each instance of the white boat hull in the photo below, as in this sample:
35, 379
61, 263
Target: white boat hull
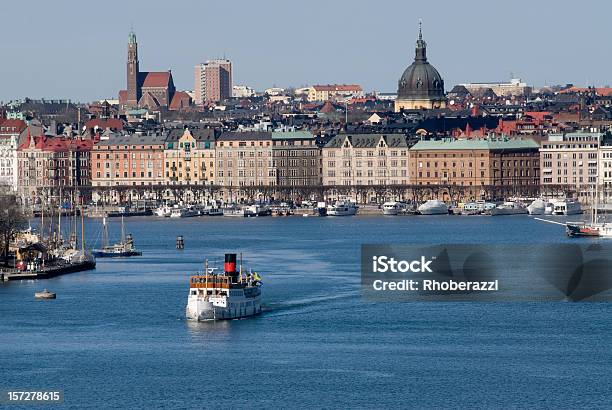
348, 212
539, 207
342, 209
202, 310
433, 208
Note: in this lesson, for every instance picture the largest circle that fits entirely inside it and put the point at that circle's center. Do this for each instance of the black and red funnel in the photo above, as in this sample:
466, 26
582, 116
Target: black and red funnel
230, 263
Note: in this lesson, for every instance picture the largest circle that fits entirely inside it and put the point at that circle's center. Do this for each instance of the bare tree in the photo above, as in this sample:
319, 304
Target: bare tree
12, 220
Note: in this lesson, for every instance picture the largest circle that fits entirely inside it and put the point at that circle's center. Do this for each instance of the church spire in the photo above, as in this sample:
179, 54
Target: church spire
420, 29
421, 45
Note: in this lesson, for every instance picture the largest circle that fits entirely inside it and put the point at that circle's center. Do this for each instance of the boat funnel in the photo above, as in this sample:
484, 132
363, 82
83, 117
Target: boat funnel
230, 263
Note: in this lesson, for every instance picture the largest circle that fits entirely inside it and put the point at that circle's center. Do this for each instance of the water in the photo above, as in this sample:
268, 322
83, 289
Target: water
117, 336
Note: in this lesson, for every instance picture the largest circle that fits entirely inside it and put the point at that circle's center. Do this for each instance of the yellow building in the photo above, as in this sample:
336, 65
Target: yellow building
190, 157
334, 92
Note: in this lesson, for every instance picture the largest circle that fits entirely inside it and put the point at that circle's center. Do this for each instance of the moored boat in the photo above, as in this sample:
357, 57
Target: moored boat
539, 207
188, 211
508, 208
321, 208
433, 207
393, 208
163, 211
232, 294
566, 207
577, 229
342, 208
123, 248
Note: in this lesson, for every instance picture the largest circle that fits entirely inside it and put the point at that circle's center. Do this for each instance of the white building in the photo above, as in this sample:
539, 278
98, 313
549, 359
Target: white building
339, 92
10, 129
8, 161
571, 160
242, 91
605, 171
513, 88
274, 91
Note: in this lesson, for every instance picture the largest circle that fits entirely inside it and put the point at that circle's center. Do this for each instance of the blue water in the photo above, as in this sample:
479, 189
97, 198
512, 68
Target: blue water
116, 337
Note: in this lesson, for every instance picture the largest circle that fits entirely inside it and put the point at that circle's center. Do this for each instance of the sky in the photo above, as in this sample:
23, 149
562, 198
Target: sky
77, 50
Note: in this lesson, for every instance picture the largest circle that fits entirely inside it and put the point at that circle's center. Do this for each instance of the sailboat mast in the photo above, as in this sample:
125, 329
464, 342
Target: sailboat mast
42, 219
59, 219
74, 221
596, 204
105, 232
122, 230
82, 228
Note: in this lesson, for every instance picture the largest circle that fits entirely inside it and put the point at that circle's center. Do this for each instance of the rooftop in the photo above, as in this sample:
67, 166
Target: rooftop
367, 140
295, 135
134, 139
476, 144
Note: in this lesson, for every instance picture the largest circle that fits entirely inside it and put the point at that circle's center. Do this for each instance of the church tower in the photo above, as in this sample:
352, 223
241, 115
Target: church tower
133, 89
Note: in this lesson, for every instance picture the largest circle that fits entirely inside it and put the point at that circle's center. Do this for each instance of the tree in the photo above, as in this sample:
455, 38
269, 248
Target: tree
12, 221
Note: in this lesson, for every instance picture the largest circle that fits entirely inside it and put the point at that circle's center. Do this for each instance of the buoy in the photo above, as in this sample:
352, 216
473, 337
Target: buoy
180, 243
45, 294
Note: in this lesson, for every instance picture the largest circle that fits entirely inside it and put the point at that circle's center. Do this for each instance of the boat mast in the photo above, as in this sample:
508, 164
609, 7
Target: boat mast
59, 219
42, 219
82, 228
596, 204
122, 230
74, 222
105, 232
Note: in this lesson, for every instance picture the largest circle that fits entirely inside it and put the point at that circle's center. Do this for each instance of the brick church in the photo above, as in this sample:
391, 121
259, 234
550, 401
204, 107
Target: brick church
149, 89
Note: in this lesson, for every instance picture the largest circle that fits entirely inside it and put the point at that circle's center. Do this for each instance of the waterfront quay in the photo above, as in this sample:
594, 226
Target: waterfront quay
47, 272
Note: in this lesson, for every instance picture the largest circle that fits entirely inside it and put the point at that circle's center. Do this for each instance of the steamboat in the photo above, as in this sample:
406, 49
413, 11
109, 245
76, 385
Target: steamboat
232, 294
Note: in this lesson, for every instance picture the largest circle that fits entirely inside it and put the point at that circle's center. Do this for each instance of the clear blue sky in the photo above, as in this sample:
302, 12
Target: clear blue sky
70, 49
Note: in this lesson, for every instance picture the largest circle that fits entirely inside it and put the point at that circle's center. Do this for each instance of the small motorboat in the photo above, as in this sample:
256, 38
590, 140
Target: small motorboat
45, 294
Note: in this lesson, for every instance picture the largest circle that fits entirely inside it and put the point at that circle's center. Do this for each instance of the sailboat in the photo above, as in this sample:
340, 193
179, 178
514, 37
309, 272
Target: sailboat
120, 249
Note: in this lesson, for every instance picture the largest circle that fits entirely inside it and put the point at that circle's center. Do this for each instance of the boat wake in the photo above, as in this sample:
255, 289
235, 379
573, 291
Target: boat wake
304, 305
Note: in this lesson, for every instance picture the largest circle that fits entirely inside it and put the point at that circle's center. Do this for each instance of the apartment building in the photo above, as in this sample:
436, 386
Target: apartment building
213, 81
244, 159
53, 162
189, 157
365, 159
10, 129
475, 162
135, 160
296, 158
334, 92
571, 159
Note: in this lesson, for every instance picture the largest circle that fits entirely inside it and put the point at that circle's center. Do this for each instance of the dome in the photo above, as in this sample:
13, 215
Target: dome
420, 81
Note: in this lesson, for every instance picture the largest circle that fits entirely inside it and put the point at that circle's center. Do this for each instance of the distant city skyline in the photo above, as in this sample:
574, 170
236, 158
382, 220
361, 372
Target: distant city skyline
65, 50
